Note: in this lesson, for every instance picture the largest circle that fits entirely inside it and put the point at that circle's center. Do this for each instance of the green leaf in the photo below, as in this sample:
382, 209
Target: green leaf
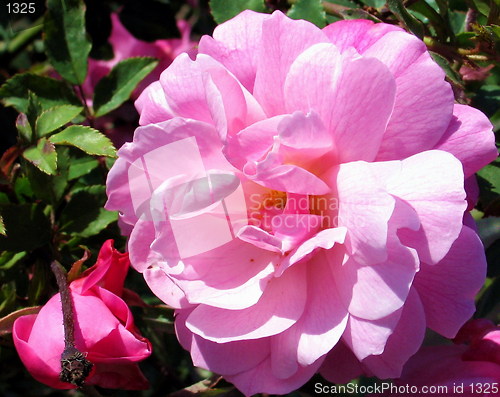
7, 297
50, 188
50, 92
457, 21
466, 39
115, 88
222, 10
66, 42
489, 297
413, 24
43, 156
489, 230
374, 3
310, 10
489, 186
53, 118
27, 227
84, 215
482, 6
81, 166
495, 120
85, 138
2, 227
445, 65
9, 259
34, 109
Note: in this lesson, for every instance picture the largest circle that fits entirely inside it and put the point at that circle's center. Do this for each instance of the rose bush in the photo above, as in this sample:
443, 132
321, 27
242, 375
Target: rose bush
300, 196
104, 329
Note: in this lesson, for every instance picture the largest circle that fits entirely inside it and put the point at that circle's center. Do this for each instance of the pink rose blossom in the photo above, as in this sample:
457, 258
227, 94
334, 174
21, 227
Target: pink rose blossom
104, 330
475, 363
298, 195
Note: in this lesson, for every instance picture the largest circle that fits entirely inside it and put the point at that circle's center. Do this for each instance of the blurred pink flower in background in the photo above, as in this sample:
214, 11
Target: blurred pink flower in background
119, 125
473, 362
298, 194
125, 45
104, 329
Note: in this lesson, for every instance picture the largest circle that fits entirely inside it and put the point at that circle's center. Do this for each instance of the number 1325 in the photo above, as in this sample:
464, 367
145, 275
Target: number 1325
21, 8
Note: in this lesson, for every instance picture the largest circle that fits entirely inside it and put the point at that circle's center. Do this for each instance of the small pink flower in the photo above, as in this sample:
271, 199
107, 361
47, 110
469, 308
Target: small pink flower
298, 194
104, 330
475, 365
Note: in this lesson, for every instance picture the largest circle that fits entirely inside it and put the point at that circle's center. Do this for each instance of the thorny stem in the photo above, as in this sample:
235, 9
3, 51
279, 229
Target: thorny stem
334, 9
74, 366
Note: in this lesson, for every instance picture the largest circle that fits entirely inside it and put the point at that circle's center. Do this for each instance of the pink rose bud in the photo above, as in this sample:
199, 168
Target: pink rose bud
104, 330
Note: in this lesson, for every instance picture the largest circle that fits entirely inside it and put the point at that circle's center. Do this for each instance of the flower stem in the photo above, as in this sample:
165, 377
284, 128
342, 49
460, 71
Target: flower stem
75, 368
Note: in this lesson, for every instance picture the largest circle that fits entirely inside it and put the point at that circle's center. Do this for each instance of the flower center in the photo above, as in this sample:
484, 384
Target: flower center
264, 206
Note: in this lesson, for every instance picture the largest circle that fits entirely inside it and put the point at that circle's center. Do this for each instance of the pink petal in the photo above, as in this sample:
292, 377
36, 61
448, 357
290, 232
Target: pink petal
341, 365
278, 50
253, 142
403, 343
472, 190
233, 276
43, 368
342, 88
444, 365
305, 131
278, 309
159, 152
293, 229
432, 183
260, 239
223, 358
449, 304
261, 379
109, 271
153, 106
367, 337
139, 243
323, 320
325, 239
360, 33
118, 192
422, 110
205, 90
118, 340
469, 138
374, 292
235, 44
165, 288
365, 209
274, 174
423, 102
